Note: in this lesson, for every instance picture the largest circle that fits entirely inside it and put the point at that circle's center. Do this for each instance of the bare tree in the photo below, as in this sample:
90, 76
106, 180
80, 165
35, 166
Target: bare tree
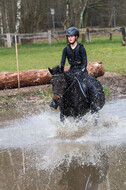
28, 16
4, 21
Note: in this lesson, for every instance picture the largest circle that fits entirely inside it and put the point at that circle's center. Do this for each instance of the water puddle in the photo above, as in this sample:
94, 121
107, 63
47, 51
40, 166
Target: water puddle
38, 152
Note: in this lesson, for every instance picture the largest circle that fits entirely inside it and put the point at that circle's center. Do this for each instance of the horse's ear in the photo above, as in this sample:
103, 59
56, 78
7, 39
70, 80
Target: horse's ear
50, 70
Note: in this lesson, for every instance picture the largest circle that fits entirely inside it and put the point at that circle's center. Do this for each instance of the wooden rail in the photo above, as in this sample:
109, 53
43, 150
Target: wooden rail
85, 32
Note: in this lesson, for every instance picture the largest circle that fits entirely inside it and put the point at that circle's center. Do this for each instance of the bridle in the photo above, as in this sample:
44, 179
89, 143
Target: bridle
60, 95
75, 78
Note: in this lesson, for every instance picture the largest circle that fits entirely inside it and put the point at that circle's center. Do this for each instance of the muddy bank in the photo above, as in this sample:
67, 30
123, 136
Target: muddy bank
37, 96
115, 82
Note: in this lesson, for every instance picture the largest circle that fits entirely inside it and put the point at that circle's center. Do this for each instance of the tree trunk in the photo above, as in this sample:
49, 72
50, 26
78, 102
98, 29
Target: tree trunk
3, 16
86, 17
41, 77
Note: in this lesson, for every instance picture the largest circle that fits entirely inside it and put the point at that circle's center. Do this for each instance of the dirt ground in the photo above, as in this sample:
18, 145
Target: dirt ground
33, 96
116, 83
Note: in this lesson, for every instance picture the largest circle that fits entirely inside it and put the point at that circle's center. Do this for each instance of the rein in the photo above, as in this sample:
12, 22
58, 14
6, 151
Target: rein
83, 92
68, 87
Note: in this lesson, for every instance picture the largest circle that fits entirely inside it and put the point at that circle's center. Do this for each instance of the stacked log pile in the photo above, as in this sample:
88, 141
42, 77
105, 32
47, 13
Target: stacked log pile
41, 77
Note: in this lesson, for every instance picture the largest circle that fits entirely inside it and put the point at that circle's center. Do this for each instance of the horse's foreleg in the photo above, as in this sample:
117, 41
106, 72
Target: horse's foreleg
95, 123
62, 117
94, 108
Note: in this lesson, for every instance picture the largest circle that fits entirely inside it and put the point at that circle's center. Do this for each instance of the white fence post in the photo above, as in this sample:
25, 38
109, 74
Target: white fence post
8, 40
49, 37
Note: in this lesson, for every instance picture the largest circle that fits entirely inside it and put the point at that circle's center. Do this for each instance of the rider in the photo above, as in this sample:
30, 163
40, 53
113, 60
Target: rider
76, 55
75, 52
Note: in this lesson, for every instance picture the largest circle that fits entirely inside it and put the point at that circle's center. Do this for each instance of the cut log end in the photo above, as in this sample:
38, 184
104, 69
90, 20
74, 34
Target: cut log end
95, 69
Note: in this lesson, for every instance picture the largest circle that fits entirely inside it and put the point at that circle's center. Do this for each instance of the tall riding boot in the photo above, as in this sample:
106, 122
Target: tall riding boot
54, 104
93, 99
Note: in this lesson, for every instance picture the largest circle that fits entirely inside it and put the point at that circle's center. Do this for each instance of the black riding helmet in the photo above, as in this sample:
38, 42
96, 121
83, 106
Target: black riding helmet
72, 31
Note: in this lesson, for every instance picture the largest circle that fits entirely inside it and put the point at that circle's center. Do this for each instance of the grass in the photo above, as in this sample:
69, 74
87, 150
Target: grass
41, 56
106, 91
45, 94
111, 53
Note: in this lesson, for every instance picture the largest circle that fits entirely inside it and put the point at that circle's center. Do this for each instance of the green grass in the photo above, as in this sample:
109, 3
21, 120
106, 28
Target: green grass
111, 53
45, 94
41, 56
106, 91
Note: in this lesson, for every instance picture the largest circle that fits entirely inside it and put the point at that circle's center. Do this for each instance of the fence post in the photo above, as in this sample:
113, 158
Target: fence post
110, 36
83, 38
2, 44
18, 74
49, 37
88, 36
8, 40
123, 33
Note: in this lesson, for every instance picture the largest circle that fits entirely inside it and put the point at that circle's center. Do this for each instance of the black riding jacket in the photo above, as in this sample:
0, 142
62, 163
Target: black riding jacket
77, 57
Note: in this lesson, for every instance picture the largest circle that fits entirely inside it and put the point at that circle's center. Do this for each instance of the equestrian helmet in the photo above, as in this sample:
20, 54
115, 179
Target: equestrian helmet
72, 31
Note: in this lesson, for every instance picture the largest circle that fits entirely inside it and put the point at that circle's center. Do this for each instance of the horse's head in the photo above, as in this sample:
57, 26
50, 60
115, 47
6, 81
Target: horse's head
57, 81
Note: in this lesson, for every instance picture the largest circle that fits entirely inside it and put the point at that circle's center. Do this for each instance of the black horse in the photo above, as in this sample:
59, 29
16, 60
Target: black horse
76, 94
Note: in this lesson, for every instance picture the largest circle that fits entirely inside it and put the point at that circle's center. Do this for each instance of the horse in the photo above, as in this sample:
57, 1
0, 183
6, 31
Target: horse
76, 94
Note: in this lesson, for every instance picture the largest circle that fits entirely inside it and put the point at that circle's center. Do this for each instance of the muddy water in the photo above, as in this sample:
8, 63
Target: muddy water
38, 152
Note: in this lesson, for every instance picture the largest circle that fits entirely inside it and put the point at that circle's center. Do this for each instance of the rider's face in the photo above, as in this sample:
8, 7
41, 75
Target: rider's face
71, 39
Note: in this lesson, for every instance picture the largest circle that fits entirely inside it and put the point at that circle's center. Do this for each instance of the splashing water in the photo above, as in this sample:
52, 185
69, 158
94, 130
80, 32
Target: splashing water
52, 142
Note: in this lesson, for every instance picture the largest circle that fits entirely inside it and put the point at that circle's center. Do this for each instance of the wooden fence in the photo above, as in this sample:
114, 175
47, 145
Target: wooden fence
85, 33
9, 37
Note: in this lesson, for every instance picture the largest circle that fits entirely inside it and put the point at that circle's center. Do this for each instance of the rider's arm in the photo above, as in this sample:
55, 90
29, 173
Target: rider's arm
63, 60
84, 56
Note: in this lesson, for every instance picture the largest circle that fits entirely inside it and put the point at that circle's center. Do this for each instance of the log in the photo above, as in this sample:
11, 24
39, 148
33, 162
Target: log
96, 69
27, 78
41, 77
123, 43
